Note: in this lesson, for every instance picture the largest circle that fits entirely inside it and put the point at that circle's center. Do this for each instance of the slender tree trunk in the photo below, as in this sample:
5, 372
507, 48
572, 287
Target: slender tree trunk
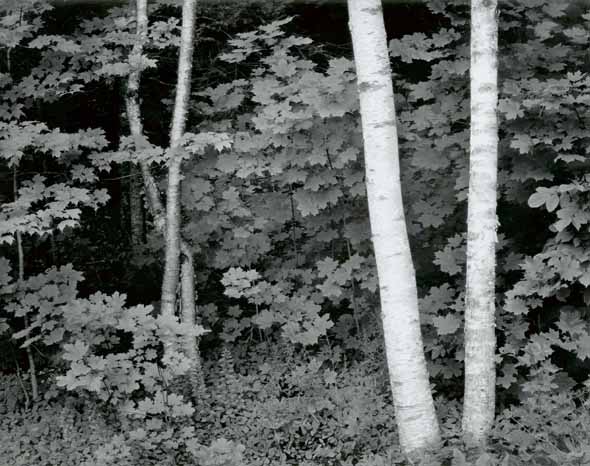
21, 278
21, 264
153, 195
480, 338
412, 398
189, 316
172, 256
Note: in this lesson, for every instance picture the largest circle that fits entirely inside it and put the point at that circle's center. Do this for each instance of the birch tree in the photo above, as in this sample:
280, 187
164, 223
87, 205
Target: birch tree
480, 338
156, 206
415, 416
172, 237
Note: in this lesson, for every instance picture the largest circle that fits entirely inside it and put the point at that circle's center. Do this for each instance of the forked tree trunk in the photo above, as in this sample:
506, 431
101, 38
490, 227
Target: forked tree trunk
172, 255
480, 338
414, 408
151, 189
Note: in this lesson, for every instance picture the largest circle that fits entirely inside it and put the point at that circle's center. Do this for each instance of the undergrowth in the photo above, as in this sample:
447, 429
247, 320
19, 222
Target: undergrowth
285, 407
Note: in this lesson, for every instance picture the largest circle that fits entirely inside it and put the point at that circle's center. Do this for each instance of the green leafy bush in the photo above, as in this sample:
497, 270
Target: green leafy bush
297, 409
56, 434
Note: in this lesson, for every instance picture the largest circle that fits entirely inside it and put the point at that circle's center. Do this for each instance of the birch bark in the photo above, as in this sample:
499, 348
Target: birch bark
151, 189
172, 237
480, 338
414, 408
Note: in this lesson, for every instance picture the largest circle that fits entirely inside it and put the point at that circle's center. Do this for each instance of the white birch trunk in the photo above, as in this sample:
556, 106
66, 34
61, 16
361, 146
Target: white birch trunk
172, 253
153, 196
414, 407
480, 338
189, 316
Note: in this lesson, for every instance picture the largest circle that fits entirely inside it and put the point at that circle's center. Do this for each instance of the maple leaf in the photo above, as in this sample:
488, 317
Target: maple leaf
522, 142
544, 29
283, 68
510, 108
345, 156
83, 174
508, 377
320, 324
446, 325
330, 289
555, 9
538, 349
421, 91
516, 306
75, 351
570, 322
451, 258
326, 266
340, 66
296, 41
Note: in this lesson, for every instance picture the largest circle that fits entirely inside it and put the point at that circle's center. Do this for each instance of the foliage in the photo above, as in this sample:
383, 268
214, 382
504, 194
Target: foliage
542, 139
56, 434
293, 408
40, 207
114, 358
274, 206
289, 191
